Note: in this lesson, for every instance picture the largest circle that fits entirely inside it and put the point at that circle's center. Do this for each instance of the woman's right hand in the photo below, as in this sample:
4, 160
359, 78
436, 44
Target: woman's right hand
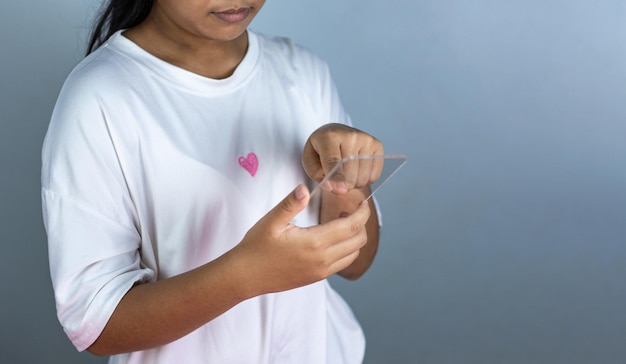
276, 255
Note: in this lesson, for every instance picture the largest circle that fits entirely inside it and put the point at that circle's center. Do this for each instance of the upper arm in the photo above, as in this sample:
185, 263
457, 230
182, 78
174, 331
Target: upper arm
90, 221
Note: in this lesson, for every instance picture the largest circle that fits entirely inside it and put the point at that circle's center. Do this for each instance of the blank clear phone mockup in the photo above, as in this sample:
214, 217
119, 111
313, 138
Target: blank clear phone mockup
356, 171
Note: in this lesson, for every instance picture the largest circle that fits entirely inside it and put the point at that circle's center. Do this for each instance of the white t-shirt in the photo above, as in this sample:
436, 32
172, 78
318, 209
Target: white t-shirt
150, 170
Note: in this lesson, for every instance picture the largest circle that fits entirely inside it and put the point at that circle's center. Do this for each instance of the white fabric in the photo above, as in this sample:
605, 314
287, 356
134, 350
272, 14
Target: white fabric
142, 180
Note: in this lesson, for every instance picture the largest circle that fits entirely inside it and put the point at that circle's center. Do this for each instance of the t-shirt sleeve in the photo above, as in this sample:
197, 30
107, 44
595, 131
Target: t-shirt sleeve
329, 96
333, 109
312, 74
91, 225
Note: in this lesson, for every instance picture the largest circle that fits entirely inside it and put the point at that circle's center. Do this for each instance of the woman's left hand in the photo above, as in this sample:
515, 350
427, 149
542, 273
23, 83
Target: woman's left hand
333, 142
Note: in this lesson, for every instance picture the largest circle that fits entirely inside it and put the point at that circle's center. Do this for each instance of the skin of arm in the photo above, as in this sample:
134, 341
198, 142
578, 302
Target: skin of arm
154, 314
274, 256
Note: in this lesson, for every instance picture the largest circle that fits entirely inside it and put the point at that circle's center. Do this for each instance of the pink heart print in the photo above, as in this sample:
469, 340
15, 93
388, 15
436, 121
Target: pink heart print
250, 163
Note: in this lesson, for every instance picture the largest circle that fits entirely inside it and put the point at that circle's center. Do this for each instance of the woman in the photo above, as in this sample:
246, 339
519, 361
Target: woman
165, 169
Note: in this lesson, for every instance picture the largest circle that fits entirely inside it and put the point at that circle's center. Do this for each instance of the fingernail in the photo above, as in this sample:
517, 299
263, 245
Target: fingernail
340, 188
300, 193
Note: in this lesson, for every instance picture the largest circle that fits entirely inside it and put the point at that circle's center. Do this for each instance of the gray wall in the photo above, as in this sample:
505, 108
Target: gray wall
505, 234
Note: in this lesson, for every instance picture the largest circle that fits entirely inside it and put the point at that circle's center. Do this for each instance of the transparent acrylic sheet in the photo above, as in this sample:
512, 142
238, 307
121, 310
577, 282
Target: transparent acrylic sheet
344, 175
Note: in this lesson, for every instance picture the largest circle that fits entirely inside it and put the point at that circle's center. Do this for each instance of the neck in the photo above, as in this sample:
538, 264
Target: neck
210, 58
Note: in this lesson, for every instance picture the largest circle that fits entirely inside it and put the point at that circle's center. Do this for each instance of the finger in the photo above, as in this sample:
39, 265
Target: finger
343, 263
351, 244
346, 252
338, 182
311, 163
328, 150
365, 172
320, 161
350, 171
328, 160
378, 164
290, 206
367, 166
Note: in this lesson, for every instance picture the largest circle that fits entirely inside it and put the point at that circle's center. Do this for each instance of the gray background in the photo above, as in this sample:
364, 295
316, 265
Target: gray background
505, 235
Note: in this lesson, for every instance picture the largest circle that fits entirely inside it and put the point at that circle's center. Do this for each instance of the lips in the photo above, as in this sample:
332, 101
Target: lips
233, 15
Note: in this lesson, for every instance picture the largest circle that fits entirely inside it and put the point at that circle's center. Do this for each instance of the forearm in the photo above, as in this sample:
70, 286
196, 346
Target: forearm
273, 256
154, 314
332, 207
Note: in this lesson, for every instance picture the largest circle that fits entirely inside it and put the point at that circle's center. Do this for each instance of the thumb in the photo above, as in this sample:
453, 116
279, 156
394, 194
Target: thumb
290, 206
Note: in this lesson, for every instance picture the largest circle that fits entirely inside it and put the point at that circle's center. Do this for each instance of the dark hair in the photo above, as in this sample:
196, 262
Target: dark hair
117, 15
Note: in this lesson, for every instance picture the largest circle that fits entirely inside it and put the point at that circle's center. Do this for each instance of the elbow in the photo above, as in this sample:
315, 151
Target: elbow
356, 270
99, 350
351, 276
362, 263
103, 348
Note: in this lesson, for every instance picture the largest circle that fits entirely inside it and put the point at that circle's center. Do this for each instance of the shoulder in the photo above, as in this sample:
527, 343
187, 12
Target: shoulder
97, 86
100, 72
103, 81
287, 53
96, 81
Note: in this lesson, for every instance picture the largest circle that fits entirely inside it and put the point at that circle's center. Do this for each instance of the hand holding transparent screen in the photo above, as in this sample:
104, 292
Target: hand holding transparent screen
360, 171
